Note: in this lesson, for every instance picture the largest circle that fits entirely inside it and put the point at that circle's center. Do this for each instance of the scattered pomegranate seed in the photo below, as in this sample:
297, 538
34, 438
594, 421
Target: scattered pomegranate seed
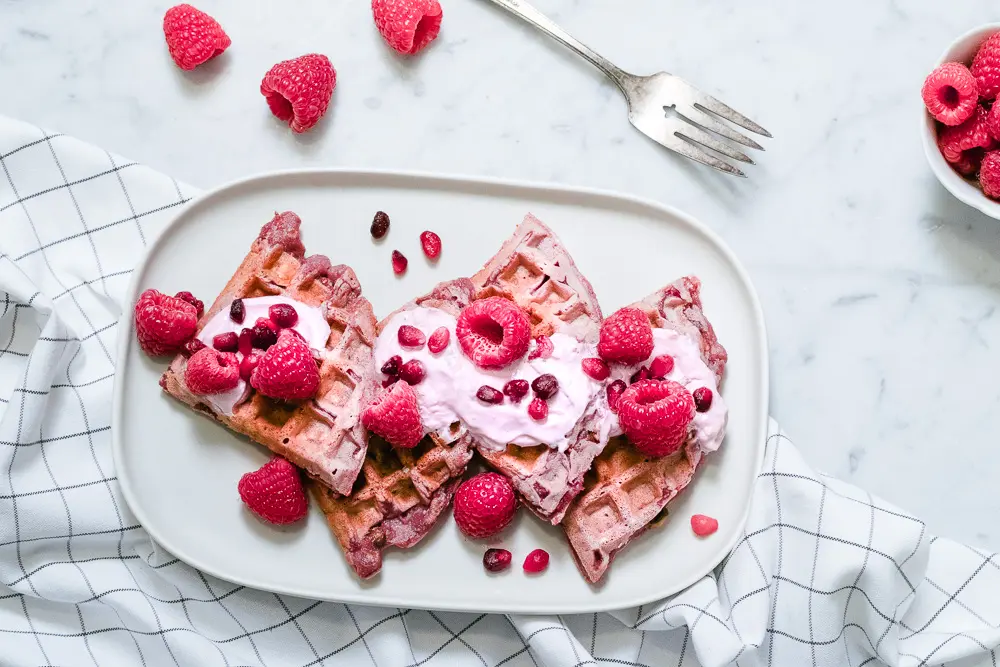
248, 364
399, 262
536, 561
389, 381
412, 372
538, 409
263, 335
615, 390
391, 366
193, 346
431, 243
266, 322
543, 348
226, 342
496, 560
596, 368
246, 341
661, 367
439, 340
703, 525
410, 336
545, 386
237, 312
702, 399
488, 394
641, 374
380, 225
515, 390
283, 315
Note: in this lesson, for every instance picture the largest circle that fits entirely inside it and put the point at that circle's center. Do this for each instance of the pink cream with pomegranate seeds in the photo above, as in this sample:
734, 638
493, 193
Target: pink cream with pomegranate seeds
311, 324
449, 390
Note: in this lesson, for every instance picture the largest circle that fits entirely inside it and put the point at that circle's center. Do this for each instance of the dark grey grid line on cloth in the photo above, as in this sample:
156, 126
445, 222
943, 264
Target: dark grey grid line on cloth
824, 575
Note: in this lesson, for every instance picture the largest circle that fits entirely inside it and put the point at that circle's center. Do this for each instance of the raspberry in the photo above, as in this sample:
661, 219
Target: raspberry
237, 313
193, 346
407, 25
380, 225
493, 332
209, 371
245, 344
661, 367
399, 262
989, 175
410, 336
484, 505
298, 91
263, 335
193, 37
163, 324
596, 368
536, 561
703, 525
543, 348
538, 409
488, 394
986, 67
283, 315
993, 122
626, 337
615, 390
395, 416
970, 162
274, 492
439, 340
656, 416
287, 370
515, 390
641, 374
190, 298
249, 363
971, 134
412, 372
226, 342
545, 386
702, 399
496, 560
392, 364
431, 243
950, 93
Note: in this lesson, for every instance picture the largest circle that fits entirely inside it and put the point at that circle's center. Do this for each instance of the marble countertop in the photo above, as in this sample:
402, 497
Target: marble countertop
879, 288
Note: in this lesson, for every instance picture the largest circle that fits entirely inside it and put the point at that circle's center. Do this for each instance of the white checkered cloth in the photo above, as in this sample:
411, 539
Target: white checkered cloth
825, 575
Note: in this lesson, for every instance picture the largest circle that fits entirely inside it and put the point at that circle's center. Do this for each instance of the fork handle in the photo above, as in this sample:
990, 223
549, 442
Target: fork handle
525, 11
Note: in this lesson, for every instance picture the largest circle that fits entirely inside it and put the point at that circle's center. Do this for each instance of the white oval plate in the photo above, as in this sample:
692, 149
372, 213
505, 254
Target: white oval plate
178, 470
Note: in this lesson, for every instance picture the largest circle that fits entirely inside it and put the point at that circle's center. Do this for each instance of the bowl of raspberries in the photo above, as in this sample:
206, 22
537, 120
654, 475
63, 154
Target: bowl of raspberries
962, 120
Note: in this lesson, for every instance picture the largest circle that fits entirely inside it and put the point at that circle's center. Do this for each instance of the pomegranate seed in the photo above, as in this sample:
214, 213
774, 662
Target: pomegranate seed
536, 561
703, 525
193, 346
412, 372
496, 560
391, 367
661, 367
236, 311
615, 390
431, 243
596, 368
545, 386
246, 341
515, 390
399, 262
266, 321
389, 381
543, 348
247, 365
488, 394
263, 336
380, 225
641, 374
702, 399
193, 300
409, 336
226, 342
283, 315
538, 409
439, 340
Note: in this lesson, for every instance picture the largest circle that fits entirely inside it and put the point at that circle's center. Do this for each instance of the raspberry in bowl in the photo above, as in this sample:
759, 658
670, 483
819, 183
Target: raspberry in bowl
957, 97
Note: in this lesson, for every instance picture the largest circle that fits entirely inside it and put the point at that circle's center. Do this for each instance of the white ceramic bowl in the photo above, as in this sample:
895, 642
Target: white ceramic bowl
961, 50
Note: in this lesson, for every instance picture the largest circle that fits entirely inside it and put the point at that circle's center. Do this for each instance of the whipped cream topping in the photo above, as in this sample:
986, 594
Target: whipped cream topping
312, 326
709, 427
447, 393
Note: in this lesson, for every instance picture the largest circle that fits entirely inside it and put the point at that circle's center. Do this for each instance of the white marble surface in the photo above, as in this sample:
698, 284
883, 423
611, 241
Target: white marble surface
880, 290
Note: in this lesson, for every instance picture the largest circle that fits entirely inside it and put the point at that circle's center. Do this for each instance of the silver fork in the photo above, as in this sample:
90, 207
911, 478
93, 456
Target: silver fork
649, 97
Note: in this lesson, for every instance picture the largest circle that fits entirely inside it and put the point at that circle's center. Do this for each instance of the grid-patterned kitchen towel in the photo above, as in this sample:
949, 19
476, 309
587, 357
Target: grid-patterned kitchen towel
825, 575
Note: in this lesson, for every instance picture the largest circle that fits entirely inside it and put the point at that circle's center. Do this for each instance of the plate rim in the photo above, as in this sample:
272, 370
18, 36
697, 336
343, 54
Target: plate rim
366, 597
